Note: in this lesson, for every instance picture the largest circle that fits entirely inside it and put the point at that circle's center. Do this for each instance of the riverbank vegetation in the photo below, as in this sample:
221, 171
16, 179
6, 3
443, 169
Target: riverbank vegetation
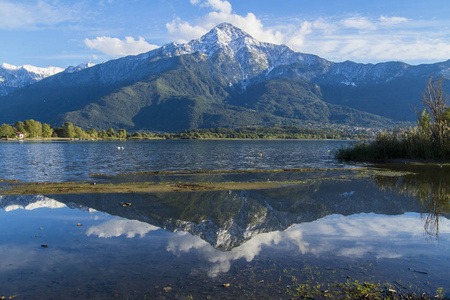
429, 140
34, 130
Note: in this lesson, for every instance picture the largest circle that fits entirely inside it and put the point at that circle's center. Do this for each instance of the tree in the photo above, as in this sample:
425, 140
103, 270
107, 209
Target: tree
102, 134
92, 133
434, 101
68, 130
34, 128
47, 131
436, 115
19, 126
435, 106
7, 131
111, 132
122, 134
79, 133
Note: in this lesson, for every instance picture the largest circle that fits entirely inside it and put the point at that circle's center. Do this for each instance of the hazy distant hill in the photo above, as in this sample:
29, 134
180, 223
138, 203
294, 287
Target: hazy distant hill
226, 78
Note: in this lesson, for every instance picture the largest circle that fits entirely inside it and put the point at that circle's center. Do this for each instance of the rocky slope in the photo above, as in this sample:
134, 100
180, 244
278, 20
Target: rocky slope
226, 78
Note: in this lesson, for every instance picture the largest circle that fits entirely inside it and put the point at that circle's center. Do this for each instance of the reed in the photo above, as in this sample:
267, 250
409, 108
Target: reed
429, 140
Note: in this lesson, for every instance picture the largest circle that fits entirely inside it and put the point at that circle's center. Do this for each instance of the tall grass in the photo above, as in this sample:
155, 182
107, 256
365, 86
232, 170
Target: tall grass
410, 143
430, 140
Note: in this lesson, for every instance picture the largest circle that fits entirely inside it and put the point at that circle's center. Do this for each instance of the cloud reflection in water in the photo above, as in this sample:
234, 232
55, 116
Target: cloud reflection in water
355, 236
118, 227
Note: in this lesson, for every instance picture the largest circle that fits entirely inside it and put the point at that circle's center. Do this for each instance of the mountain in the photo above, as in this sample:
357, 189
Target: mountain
73, 69
228, 79
13, 77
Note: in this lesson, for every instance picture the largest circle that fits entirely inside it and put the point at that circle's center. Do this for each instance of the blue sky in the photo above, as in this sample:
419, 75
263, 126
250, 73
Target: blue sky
68, 32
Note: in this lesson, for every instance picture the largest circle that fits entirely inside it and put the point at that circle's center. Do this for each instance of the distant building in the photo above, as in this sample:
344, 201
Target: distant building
20, 135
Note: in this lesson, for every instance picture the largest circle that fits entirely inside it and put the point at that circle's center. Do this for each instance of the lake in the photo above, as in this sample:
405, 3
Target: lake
74, 161
325, 232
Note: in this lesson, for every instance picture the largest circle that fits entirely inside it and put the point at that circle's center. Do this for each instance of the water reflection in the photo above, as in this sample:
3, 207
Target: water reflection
195, 241
28, 203
228, 219
430, 185
118, 227
334, 235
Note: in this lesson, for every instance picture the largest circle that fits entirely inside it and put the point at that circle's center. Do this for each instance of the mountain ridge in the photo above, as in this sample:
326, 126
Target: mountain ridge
223, 65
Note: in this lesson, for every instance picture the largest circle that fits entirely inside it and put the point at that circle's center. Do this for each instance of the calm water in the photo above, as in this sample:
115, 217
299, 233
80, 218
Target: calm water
73, 161
392, 230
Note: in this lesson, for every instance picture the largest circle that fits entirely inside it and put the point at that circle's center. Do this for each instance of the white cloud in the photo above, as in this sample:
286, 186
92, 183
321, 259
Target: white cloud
297, 40
218, 5
361, 23
358, 38
221, 12
116, 47
388, 21
183, 32
14, 15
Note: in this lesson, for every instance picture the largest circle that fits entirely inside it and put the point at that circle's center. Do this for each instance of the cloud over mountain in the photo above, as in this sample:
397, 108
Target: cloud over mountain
117, 48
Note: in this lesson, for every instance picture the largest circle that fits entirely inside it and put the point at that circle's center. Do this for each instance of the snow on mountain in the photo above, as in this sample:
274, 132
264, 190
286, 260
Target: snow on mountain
230, 48
13, 77
235, 56
73, 69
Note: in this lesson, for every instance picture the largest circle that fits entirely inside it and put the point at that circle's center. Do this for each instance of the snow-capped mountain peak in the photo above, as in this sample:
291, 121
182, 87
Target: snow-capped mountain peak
233, 50
13, 77
227, 35
73, 69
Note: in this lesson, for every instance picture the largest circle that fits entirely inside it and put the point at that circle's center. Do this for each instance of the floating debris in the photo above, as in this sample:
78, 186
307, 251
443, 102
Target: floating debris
44, 246
79, 224
125, 203
226, 285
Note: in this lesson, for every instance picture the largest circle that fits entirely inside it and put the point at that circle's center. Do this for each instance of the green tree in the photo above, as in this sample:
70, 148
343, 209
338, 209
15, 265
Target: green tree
79, 133
111, 132
19, 126
47, 131
68, 130
7, 131
34, 128
93, 134
122, 134
102, 134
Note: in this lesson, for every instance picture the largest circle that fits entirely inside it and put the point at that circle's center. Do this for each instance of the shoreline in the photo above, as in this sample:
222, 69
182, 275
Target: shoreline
168, 139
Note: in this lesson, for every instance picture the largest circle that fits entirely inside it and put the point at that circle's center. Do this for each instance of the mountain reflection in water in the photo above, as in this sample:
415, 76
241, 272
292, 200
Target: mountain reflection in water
226, 219
370, 221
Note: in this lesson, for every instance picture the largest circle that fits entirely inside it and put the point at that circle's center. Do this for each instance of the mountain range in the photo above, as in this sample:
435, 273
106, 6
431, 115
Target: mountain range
224, 79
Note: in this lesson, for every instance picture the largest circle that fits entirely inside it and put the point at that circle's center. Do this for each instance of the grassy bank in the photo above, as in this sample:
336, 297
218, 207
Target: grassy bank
429, 140
412, 144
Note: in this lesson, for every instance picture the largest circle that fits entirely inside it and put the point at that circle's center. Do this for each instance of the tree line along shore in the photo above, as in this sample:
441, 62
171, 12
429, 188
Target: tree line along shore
34, 130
